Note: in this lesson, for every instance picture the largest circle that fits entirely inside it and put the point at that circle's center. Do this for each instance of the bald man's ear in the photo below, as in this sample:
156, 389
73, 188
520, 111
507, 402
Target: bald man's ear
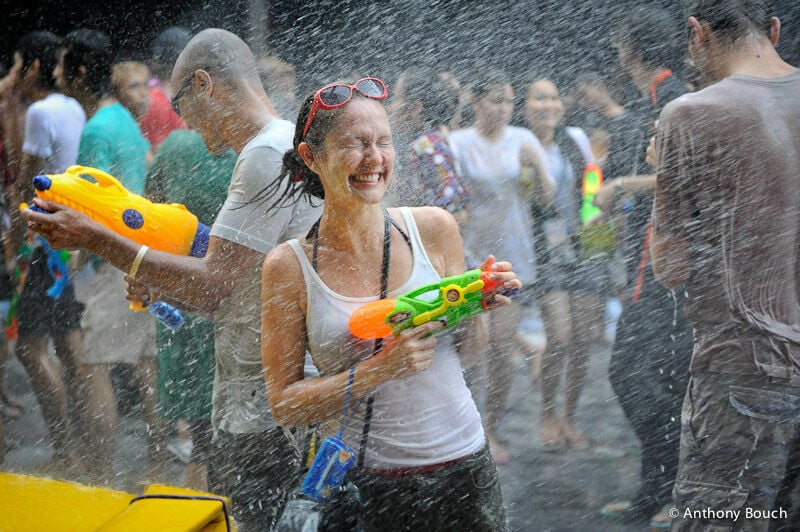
202, 82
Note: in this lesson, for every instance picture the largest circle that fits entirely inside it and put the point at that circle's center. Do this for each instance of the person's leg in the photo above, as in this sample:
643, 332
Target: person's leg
787, 503
528, 344
48, 386
258, 472
634, 378
500, 372
196, 472
464, 496
586, 312
470, 497
558, 331
98, 408
147, 380
664, 444
68, 347
11, 408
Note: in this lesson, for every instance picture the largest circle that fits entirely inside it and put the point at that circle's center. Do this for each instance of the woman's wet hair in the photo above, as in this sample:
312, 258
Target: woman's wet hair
296, 178
294, 168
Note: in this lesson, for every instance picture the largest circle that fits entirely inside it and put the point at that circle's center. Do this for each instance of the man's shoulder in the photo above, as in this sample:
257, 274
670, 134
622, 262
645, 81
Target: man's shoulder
695, 105
56, 104
522, 133
112, 117
671, 88
468, 134
276, 135
180, 139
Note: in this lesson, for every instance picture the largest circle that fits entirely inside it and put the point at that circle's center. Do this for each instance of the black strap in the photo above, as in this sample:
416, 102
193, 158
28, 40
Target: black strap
387, 253
388, 222
314, 231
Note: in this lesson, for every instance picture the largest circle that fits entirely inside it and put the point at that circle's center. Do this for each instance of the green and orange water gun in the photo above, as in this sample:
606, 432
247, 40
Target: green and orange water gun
450, 300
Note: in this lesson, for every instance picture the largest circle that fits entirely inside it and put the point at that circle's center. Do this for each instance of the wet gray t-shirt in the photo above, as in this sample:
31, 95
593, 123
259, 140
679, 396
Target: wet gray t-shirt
729, 184
240, 397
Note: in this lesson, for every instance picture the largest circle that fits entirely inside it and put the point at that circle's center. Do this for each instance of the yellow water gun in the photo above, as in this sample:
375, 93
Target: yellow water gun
166, 227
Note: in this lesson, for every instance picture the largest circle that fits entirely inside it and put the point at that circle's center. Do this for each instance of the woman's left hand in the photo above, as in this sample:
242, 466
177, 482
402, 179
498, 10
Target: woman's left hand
506, 279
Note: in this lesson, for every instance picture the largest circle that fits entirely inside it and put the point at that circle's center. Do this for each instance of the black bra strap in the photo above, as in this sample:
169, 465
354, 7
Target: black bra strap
314, 232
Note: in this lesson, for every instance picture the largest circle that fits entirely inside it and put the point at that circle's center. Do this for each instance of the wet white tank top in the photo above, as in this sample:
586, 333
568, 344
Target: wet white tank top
424, 419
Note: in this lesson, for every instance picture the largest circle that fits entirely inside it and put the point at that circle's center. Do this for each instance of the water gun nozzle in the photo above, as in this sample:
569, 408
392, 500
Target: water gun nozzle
42, 182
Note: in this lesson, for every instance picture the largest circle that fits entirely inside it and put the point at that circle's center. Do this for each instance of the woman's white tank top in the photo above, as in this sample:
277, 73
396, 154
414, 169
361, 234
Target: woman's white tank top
424, 419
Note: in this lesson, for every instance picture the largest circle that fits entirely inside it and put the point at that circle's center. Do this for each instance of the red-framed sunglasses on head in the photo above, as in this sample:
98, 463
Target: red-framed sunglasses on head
339, 94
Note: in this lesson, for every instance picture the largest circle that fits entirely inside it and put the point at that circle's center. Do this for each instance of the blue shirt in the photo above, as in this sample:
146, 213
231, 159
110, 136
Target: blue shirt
112, 141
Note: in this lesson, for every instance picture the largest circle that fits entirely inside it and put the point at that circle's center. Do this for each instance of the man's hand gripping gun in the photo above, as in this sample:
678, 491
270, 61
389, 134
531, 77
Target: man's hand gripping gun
166, 227
459, 297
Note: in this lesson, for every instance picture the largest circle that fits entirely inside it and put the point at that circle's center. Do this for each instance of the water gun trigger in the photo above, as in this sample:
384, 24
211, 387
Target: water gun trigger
452, 295
493, 287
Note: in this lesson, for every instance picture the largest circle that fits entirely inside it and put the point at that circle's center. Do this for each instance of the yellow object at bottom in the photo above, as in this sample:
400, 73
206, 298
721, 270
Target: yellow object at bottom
34, 503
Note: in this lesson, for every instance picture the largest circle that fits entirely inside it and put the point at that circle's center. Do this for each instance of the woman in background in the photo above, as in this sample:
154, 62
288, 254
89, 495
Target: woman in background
496, 161
570, 283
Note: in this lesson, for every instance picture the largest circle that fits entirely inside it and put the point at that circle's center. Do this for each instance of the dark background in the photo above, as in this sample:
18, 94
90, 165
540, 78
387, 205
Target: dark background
327, 38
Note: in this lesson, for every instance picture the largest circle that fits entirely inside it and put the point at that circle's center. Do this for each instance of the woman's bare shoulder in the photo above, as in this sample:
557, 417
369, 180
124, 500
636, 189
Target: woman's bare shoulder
433, 220
282, 266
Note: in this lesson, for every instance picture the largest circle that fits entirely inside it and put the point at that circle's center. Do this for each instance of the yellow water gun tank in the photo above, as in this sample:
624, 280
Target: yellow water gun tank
166, 227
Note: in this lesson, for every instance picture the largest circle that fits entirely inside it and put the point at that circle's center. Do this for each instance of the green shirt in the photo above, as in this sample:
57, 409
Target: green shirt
112, 141
185, 172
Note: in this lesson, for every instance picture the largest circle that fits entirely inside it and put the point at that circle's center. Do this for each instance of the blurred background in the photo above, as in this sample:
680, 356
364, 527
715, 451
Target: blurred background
323, 38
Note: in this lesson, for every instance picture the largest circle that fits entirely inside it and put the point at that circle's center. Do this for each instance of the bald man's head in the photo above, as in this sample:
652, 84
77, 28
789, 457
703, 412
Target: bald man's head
222, 54
218, 91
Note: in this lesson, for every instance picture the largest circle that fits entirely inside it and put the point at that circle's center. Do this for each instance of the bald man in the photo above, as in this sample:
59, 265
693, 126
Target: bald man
219, 93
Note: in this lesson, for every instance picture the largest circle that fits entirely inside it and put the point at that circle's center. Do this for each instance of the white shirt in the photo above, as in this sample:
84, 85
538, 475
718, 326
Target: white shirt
498, 222
53, 131
240, 397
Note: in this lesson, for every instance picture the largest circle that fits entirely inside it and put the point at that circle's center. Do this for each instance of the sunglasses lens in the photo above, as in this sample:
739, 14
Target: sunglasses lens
371, 88
336, 95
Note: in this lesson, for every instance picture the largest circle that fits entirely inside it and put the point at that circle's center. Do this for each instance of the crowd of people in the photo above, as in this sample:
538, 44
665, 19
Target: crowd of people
635, 185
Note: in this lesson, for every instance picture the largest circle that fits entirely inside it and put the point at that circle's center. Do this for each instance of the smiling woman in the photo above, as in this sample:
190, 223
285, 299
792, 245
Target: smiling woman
412, 419
570, 281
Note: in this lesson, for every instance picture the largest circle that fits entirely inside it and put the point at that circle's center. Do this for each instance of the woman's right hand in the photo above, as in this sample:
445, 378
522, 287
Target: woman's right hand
410, 352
